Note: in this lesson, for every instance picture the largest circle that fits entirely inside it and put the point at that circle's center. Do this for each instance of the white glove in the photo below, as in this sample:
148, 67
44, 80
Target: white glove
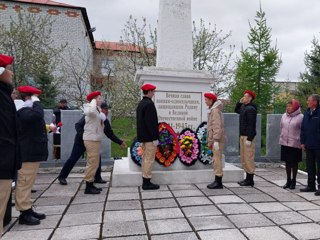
2, 69
216, 146
93, 103
28, 103
155, 142
35, 99
103, 116
248, 143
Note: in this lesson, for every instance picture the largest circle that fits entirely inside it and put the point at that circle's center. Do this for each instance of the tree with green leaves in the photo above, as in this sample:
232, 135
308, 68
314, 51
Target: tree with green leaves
49, 91
28, 39
209, 54
310, 79
258, 65
138, 44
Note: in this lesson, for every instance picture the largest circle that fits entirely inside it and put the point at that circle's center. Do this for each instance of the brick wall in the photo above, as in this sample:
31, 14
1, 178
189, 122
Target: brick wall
69, 27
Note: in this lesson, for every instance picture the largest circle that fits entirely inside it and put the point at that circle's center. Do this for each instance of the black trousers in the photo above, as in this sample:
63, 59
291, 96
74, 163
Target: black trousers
78, 150
313, 159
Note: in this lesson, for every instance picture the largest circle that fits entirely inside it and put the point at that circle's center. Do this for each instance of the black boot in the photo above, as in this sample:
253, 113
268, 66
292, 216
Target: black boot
293, 184
62, 181
27, 218
288, 184
308, 189
98, 188
248, 182
90, 189
101, 181
317, 193
40, 216
244, 180
148, 185
217, 184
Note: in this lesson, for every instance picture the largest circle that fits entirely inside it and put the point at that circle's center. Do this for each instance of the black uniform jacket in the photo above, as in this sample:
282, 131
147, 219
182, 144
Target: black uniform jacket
33, 139
147, 121
9, 157
248, 118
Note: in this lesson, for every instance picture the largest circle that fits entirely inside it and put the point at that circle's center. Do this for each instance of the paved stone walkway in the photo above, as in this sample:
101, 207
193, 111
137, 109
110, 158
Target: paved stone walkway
176, 212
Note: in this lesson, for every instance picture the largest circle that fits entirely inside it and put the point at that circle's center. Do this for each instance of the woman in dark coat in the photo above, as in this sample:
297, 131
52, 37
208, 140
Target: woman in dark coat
33, 144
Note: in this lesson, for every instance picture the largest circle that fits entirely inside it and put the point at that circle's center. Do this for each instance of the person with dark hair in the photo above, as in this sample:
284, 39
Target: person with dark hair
79, 148
9, 160
33, 144
147, 134
248, 117
310, 142
291, 153
215, 137
63, 105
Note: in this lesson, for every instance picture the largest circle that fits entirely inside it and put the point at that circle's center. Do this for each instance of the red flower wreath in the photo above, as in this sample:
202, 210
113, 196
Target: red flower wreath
168, 148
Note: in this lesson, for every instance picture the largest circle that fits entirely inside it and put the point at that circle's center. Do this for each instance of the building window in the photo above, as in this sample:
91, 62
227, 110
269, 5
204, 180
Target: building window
107, 67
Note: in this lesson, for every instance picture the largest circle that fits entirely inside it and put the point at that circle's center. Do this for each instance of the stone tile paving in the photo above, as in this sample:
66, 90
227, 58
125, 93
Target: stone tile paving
177, 212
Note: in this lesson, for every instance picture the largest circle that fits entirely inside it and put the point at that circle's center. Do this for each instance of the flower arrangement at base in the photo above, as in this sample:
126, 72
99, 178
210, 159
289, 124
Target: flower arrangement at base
205, 152
189, 147
168, 148
136, 152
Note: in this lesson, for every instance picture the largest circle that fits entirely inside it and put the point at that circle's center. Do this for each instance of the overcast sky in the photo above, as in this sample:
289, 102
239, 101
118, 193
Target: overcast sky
294, 22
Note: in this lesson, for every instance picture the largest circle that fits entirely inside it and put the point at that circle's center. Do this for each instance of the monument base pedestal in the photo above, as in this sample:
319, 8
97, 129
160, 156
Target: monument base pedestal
123, 176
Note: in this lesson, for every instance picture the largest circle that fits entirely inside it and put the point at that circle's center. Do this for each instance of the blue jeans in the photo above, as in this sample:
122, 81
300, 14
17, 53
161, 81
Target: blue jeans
78, 150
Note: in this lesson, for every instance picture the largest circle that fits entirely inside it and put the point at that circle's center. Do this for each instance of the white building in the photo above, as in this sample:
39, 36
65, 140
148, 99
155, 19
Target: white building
71, 25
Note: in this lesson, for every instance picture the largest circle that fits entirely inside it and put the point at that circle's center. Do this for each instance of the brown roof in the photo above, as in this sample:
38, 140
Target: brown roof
46, 2
119, 46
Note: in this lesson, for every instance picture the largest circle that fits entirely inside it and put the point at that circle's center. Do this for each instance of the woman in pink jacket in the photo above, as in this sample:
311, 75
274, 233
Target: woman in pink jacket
291, 152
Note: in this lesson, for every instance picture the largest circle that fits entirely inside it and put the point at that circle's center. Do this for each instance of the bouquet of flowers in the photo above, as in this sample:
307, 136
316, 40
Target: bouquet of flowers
205, 152
189, 147
168, 147
136, 152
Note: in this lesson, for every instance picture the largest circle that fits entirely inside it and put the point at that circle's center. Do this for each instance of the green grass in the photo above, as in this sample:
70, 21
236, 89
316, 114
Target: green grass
124, 128
302, 165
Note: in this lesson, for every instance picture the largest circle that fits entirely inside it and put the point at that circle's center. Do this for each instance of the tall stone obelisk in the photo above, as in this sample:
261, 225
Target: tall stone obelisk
179, 97
174, 47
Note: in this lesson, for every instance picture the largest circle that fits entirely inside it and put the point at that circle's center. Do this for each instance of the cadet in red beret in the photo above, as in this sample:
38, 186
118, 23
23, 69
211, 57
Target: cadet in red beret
5, 69
8, 135
148, 87
33, 143
93, 95
29, 89
5, 60
215, 137
210, 96
251, 93
147, 134
248, 117
92, 136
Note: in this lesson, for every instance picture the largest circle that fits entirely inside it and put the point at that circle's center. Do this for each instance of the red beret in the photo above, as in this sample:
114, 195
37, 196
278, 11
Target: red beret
5, 60
211, 96
253, 95
92, 95
148, 87
29, 89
